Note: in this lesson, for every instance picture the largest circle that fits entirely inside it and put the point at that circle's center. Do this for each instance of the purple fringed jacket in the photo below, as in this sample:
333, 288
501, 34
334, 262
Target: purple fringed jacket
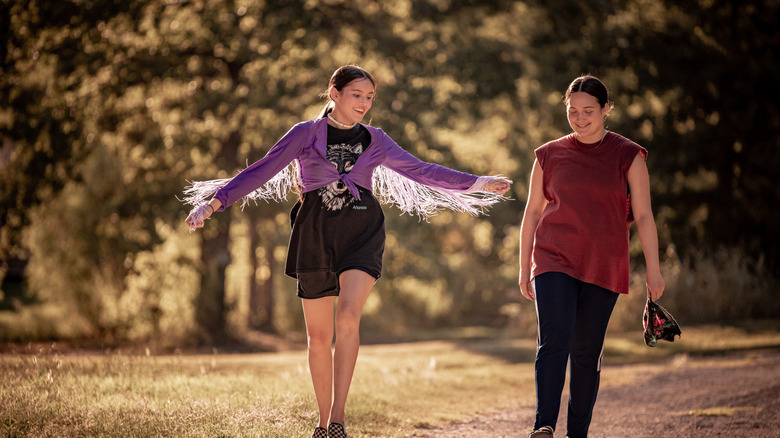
384, 167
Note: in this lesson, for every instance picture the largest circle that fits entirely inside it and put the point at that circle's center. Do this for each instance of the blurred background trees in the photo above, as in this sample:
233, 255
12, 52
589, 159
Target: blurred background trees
110, 107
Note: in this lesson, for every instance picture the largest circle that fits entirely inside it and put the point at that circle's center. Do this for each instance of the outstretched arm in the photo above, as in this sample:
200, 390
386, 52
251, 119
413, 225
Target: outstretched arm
429, 174
248, 180
639, 185
424, 188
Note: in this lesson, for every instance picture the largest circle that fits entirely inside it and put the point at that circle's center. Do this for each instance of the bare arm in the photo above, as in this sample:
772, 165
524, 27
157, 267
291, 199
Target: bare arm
214, 204
533, 212
639, 184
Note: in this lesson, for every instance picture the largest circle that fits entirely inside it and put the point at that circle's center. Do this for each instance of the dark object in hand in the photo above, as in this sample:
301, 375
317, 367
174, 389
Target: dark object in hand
659, 324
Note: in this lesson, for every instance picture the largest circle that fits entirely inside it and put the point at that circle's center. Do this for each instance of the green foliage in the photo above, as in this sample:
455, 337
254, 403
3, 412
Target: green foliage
692, 82
110, 107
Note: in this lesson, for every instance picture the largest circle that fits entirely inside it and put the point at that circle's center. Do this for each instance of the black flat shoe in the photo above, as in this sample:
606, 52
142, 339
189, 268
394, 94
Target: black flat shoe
320, 432
336, 430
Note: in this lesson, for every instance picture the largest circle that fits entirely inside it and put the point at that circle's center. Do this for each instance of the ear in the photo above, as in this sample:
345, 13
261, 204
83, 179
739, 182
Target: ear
334, 94
604, 113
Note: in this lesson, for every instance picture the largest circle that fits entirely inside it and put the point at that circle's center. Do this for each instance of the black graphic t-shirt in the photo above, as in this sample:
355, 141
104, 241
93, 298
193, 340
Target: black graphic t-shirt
332, 231
344, 148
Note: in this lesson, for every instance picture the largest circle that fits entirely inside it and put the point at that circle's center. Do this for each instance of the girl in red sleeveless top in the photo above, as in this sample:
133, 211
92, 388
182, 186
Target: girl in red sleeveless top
586, 188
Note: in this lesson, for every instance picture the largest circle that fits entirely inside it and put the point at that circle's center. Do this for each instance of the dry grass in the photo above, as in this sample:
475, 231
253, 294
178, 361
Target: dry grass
720, 411
397, 389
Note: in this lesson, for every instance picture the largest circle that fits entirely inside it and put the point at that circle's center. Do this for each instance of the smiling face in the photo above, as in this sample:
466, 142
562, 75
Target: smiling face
353, 101
586, 116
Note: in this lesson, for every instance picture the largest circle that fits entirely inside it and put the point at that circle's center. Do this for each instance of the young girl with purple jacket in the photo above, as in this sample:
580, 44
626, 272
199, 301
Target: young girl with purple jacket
338, 228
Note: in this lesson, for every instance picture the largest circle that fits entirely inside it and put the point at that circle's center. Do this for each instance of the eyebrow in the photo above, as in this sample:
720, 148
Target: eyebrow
360, 90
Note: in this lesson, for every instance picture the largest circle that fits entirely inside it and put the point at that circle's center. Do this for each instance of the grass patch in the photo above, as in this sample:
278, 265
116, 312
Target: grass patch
719, 411
397, 388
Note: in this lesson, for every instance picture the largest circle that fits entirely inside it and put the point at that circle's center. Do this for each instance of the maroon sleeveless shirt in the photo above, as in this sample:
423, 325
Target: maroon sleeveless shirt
584, 229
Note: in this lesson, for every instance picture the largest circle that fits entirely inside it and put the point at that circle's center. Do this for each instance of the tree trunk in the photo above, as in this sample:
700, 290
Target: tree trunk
210, 308
215, 257
261, 297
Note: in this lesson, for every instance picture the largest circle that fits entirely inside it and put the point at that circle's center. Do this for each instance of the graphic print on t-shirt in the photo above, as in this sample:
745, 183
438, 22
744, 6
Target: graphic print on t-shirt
336, 195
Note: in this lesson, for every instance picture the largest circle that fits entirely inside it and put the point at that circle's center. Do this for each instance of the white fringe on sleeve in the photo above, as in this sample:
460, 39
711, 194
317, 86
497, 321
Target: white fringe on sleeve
389, 187
276, 189
414, 198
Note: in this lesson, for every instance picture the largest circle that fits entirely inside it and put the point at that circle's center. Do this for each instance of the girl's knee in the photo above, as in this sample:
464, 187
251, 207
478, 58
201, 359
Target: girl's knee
347, 322
319, 340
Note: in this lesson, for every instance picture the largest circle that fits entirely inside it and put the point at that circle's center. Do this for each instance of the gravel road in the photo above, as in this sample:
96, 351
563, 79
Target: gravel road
737, 395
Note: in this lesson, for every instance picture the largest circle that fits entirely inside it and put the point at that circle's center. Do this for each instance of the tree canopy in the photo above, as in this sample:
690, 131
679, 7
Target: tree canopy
110, 107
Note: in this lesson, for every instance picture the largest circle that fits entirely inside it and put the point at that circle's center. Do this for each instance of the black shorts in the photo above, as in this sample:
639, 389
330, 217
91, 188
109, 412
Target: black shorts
324, 243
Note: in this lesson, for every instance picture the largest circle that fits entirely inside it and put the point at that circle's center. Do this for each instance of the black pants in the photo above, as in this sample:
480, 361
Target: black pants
572, 318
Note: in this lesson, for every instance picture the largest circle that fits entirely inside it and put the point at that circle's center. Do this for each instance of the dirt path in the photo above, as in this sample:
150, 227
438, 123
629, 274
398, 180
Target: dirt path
733, 396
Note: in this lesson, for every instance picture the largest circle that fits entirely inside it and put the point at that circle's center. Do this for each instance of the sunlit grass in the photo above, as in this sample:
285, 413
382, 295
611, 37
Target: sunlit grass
719, 411
117, 395
397, 389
